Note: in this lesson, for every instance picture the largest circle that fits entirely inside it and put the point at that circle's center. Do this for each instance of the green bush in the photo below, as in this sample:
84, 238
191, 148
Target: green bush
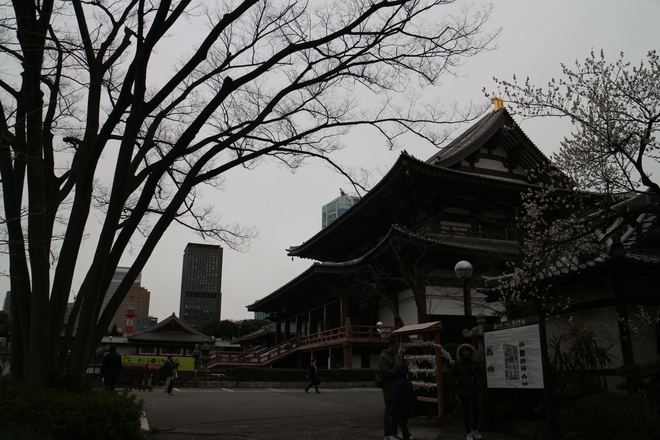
28, 412
579, 359
615, 416
643, 380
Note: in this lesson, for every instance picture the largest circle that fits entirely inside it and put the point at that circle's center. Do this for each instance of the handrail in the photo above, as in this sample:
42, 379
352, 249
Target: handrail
266, 355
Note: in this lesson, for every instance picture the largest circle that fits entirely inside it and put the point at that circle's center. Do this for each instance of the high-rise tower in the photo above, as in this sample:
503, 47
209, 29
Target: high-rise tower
201, 279
337, 207
138, 297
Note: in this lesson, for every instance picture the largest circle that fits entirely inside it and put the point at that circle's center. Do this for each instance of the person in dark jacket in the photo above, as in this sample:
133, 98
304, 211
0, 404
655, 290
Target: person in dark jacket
169, 369
313, 377
465, 373
387, 363
404, 400
111, 368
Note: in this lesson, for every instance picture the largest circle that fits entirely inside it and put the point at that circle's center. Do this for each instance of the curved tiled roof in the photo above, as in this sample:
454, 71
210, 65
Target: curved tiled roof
622, 246
478, 134
405, 168
171, 330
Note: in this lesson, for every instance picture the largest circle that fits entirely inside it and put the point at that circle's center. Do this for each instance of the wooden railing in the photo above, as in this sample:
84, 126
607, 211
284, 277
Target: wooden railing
264, 356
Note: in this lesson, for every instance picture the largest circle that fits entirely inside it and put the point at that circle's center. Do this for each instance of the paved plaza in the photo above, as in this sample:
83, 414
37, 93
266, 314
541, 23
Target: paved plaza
274, 414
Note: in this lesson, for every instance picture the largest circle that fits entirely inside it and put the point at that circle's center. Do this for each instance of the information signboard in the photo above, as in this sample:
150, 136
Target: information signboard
514, 354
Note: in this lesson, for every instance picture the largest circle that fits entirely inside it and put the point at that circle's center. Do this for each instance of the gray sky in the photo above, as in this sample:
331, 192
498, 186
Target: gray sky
286, 208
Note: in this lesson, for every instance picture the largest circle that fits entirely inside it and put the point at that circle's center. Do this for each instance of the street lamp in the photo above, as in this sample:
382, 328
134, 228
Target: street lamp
463, 270
379, 328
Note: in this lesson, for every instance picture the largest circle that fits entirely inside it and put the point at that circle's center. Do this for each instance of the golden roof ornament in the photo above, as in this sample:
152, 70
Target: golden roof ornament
498, 102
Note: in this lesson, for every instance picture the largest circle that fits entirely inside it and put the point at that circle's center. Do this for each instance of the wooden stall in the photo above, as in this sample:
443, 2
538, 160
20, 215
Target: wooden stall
432, 328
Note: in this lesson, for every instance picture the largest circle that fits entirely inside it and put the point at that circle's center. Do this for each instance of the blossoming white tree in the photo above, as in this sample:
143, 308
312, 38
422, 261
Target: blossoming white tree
609, 157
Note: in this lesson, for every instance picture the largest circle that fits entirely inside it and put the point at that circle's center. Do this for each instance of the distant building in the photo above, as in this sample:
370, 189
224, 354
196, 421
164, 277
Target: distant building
145, 323
117, 278
332, 210
67, 314
7, 302
137, 299
260, 315
201, 281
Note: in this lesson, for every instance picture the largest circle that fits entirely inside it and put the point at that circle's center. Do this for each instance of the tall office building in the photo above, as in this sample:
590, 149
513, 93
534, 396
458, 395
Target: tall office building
137, 299
7, 302
337, 207
117, 278
201, 280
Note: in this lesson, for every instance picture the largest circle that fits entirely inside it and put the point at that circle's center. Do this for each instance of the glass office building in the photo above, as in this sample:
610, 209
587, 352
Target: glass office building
201, 280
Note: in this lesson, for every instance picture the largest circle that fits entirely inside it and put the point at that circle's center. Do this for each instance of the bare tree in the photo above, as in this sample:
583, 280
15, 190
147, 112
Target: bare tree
85, 92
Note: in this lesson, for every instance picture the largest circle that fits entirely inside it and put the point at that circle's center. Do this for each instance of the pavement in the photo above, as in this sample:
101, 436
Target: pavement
274, 414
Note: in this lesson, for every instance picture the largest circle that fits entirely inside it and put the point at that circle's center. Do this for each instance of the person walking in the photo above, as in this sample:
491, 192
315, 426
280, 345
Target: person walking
169, 368
465, 373
175, 374
387, 363
111, 368
404, 400
313, 377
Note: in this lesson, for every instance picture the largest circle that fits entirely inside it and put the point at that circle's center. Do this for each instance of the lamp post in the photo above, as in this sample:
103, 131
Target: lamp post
463, 270
379, 329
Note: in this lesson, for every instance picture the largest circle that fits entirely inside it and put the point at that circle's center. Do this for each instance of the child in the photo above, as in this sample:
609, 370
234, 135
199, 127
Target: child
404, 400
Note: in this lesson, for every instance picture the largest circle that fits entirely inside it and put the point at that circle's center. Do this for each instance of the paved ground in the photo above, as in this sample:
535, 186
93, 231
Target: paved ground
274, 414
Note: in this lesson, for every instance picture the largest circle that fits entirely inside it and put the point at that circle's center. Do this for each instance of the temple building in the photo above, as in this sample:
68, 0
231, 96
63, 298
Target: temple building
389, 260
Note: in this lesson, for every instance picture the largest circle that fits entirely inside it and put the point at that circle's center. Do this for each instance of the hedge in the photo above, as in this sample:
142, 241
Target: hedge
29, 412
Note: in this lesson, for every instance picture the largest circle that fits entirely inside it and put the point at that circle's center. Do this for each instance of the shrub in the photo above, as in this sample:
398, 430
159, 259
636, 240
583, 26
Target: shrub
643, 380
30, 412
615, 416
577, 363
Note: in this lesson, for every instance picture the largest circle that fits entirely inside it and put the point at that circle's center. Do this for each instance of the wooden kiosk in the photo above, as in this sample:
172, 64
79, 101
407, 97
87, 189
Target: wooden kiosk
434, 329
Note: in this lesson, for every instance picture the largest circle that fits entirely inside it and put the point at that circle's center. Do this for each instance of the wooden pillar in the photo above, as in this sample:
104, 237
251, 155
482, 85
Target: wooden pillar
287, 329
348, 355
344, 310
622, 311
278, 333
442, 419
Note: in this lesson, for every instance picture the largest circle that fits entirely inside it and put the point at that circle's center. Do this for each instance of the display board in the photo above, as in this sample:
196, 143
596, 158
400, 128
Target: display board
514, 354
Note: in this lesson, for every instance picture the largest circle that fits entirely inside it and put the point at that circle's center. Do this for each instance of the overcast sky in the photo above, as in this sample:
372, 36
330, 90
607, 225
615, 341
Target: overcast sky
286, 208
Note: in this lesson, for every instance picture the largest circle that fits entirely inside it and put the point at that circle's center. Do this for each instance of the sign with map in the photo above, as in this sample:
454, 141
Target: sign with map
514, 354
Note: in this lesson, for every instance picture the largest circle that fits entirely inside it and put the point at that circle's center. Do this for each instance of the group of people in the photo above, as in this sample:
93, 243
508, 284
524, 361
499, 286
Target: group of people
112, 365
398, 391
169, 370
400, 398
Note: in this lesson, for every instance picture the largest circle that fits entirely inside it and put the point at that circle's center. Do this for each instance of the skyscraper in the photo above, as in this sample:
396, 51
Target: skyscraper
337, 207
201, 279
137, 296
137, 299
117, 278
